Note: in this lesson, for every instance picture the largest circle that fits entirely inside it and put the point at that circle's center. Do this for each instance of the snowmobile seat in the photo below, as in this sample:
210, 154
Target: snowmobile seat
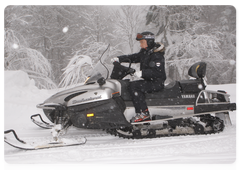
172, 90
190, 86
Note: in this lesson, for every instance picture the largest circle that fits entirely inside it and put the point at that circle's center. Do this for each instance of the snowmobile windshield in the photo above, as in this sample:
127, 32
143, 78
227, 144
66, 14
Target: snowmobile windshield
100, 70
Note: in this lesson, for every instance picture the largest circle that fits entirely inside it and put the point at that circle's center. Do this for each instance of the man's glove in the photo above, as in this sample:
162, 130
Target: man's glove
115, 59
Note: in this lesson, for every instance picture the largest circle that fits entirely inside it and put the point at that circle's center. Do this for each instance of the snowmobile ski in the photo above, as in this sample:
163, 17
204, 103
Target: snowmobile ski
41, 124
20, 144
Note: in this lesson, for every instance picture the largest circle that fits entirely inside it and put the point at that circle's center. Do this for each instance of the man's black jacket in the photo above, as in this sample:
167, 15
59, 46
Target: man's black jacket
152, 62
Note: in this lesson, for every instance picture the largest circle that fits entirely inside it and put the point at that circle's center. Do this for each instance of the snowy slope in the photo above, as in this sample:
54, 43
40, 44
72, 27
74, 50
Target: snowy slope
21, 97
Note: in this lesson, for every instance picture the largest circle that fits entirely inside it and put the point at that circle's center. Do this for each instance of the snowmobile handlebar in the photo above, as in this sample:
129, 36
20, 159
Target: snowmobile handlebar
119, 71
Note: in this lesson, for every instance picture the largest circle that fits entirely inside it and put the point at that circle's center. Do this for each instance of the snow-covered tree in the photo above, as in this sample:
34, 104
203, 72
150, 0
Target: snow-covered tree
75, 72
95, 31
54, 33
81, 66
128, 21
96, 28
52, 30
181, 55
16, 56
197, 33
226, 30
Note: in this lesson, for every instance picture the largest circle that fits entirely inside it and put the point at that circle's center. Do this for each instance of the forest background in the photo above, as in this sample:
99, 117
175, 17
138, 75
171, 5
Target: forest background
59, 45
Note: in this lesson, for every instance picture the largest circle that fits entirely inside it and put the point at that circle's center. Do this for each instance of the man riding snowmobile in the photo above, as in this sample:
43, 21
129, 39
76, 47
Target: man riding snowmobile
183, 107
152, 66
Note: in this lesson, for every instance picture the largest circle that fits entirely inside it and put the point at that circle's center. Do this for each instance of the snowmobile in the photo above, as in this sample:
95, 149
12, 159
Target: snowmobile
182, 108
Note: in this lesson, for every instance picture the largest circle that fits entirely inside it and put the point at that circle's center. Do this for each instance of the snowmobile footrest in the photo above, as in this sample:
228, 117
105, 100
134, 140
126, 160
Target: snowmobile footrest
41, 124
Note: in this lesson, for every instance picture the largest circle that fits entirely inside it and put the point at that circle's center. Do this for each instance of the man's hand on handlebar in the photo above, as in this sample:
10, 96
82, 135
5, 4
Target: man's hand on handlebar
115, 59
138, 74
131, 71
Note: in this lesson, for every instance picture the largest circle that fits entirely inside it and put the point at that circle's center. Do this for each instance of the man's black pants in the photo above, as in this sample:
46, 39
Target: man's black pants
139, 88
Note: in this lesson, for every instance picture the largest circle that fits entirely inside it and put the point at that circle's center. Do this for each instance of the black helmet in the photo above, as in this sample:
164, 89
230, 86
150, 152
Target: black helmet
145, 35
149, 36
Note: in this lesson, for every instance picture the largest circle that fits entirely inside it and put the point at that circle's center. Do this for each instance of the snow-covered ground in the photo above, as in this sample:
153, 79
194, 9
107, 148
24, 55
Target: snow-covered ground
21, 98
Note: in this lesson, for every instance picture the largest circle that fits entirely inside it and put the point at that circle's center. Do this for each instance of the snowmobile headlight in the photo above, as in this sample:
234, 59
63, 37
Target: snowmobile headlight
90, 114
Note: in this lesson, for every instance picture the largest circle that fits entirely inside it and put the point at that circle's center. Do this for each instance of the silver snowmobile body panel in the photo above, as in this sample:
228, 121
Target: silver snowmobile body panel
82, 94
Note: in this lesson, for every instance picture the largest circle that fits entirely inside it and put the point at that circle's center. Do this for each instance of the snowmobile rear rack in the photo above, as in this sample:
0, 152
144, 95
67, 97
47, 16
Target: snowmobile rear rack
218, 97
